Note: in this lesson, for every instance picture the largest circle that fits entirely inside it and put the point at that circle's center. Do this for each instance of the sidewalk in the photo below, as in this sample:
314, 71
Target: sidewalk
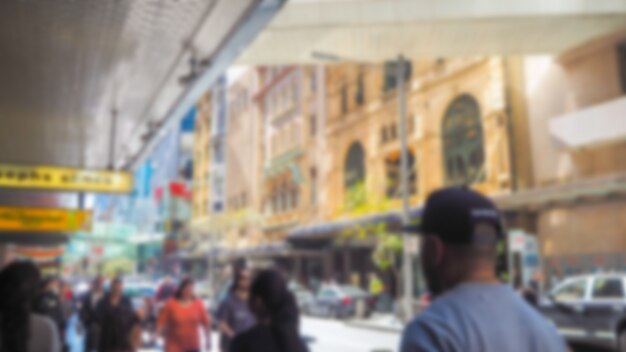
379, 322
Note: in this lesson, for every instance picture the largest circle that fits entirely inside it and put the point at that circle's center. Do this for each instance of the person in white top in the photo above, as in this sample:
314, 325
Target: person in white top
20, 328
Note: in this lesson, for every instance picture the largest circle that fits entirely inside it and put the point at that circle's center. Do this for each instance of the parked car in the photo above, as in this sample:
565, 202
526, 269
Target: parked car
340, 302
590, 309
304, 297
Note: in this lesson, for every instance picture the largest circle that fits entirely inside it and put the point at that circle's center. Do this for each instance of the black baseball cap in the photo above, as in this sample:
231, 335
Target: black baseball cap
459, 215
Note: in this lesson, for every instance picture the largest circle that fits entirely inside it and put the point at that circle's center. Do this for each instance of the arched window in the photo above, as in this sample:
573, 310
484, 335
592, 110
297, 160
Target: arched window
354, 168
463, 150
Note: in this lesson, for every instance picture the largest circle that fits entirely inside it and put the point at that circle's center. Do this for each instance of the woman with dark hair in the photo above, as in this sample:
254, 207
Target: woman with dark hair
20, 329
277, 314
118, 322
180, 319
234, 314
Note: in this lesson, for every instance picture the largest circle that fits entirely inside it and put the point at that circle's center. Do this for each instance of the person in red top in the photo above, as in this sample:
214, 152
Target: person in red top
180, 320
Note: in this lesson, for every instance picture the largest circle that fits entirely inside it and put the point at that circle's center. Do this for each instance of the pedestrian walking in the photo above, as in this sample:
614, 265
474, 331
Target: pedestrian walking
276, 311
87, 314
119, 325
49, 304
166, 290
66, 296
472, 311
20, 328
234, 315
181, 319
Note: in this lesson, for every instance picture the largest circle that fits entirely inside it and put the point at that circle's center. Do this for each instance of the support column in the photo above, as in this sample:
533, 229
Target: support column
347, 265
327, 263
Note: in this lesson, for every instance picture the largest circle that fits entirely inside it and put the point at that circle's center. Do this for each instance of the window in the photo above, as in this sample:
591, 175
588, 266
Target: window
390, 81
313, 188
354, 167
295, 197
359, 96
313, 124
621, 63
313, 81
344, 99
571, 291
393, 132
384, 135
393, 170
218, 153
608, 288
462, 135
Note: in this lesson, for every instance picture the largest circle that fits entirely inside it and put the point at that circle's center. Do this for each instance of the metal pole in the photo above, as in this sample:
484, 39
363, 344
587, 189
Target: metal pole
112, 139
404, 184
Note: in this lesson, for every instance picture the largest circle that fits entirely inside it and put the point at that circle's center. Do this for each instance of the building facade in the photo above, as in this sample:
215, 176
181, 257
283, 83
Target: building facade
202, 161
458, 133
243, 160
289, 101
576, 110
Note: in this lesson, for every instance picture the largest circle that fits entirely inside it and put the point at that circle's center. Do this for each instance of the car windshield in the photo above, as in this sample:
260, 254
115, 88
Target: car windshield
352, 291
139, 291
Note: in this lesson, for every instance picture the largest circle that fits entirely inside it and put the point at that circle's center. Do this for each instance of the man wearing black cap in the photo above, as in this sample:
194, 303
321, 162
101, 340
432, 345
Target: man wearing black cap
472, 310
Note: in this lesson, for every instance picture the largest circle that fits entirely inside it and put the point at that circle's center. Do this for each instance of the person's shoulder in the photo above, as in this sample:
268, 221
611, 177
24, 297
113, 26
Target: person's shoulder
41, 323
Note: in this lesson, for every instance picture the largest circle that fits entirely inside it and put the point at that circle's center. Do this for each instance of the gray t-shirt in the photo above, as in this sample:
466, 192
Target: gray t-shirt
234, 312
44, 336
476, 317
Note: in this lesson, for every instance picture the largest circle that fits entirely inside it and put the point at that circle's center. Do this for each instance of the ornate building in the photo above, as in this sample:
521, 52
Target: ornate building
458, 129
201, 159
289, 99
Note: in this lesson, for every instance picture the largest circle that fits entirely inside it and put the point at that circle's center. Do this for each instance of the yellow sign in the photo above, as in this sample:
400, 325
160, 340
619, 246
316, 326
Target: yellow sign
64, 179
44, 220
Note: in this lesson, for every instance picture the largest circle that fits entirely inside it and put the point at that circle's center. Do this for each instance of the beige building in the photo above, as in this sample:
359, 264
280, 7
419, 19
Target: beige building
289, 100
243, 144
457, 126
201, 159
576, 108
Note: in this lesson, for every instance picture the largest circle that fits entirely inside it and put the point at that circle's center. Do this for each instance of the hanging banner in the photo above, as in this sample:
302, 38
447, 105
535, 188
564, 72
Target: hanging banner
64, 179
44, 220
37, 253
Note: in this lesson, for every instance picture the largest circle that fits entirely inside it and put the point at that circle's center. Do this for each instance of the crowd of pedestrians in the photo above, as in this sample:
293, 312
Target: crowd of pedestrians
470, 310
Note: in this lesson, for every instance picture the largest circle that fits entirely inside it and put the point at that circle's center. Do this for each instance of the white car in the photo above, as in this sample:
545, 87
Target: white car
590, 309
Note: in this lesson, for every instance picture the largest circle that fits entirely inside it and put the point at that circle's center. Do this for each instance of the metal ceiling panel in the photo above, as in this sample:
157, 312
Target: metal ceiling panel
376, 31
65, 65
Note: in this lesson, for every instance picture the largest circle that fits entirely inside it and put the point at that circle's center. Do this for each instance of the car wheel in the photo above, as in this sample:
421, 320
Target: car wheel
621, 340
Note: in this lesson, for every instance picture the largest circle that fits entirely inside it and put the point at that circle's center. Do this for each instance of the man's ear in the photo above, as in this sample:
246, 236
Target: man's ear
433, 250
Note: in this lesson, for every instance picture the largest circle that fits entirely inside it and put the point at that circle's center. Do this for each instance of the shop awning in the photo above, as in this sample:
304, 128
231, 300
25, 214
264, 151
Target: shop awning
595, 126
564, 194
31, 239
393, 219
264, 250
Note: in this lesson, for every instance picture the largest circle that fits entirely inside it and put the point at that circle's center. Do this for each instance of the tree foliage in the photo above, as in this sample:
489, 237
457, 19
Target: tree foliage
388, 245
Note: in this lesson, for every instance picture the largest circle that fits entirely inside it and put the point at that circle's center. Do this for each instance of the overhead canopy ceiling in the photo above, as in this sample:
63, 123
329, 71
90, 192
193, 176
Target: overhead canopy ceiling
375, 30
67, 66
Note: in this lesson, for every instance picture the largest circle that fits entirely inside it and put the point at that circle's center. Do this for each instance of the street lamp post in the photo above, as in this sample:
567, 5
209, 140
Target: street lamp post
404, 184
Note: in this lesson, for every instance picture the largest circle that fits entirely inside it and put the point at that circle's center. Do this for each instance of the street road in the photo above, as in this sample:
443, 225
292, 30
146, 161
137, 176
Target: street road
331, 336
